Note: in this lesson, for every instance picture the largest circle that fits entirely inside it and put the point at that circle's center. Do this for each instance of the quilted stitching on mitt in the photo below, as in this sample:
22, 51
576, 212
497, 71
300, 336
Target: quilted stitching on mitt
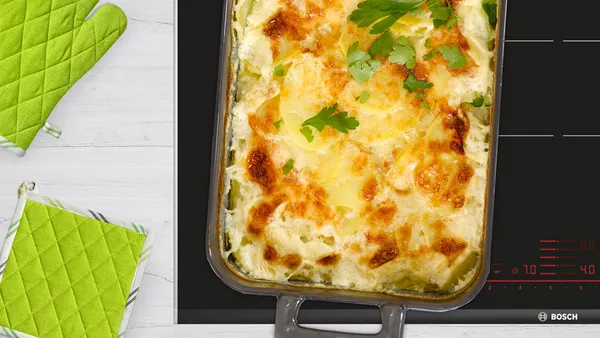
46, 46
67, 275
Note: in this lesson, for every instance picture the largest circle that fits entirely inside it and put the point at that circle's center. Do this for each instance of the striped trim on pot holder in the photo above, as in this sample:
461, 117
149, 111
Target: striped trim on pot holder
69, 272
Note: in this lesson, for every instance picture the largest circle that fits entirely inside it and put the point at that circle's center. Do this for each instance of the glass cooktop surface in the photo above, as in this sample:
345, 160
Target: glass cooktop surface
546, 240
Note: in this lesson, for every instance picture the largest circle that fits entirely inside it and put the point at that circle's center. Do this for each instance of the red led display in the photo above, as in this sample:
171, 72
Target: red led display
558, 261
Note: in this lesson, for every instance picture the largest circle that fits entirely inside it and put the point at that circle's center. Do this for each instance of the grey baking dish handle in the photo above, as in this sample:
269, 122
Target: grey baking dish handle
286, 322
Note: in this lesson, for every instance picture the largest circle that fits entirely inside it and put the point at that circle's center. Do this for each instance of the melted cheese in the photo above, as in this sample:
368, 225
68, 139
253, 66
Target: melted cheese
397, 203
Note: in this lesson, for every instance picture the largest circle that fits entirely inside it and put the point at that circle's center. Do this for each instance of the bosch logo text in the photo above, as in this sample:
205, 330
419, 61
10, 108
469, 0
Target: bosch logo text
563, 316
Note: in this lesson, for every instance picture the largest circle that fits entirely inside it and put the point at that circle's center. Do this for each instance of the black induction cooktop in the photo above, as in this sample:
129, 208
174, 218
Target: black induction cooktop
546, 241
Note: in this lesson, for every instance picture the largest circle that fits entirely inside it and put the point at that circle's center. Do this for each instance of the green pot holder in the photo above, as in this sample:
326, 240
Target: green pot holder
46, 46
69, 272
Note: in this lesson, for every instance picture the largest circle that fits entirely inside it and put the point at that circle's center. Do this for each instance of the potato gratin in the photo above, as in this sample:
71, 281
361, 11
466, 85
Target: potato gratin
359, 141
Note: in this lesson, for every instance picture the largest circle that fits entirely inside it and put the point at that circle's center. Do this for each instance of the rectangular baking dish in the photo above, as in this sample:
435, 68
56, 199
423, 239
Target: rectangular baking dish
291, 295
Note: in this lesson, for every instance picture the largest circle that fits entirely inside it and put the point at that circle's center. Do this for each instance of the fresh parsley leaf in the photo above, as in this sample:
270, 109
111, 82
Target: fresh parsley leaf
362, 71
307, 132
383, 45
421, 95
277, 123
477, 102
430, 55
491, 9
325, 117
452, 21
453, 55
343, 123
413, 85
287, 167
441, 14
279, 70
404, 53
356, 55
360, 65
364, 97
426, 105
403, 41
384, 24
320, 121
433, 4
428, 43
416, 11
384, 12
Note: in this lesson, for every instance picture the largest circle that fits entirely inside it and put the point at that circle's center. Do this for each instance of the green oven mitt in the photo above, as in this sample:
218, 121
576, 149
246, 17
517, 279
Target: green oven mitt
45, 47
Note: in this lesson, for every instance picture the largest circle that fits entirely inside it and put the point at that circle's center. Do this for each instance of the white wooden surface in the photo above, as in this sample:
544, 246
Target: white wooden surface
116, 154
